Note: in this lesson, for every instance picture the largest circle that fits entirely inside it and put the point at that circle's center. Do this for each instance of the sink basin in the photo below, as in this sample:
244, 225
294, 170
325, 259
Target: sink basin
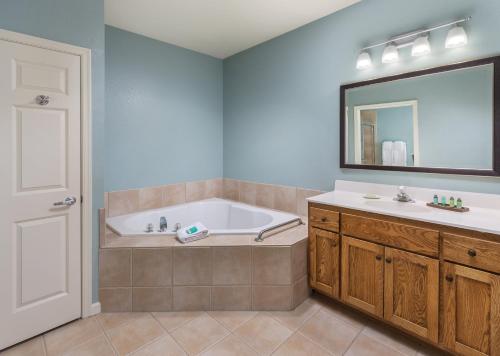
397, 206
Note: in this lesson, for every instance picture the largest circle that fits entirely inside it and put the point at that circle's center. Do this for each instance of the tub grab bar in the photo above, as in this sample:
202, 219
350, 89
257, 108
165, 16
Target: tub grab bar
259, 237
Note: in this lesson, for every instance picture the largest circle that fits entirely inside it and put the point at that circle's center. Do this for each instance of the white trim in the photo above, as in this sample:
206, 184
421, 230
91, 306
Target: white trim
86, 150
397, 104
95, 308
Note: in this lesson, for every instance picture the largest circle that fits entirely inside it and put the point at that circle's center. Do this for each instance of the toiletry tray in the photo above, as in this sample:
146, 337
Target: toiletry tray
448, 207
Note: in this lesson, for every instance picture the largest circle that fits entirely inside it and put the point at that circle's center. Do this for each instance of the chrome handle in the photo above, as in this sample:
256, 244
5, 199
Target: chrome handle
42, 100
68, 201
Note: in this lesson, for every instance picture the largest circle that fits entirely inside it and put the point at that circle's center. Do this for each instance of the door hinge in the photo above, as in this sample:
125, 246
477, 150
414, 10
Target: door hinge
81, 199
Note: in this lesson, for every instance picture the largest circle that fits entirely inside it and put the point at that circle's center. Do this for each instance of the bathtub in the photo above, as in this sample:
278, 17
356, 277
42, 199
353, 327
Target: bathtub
221, 217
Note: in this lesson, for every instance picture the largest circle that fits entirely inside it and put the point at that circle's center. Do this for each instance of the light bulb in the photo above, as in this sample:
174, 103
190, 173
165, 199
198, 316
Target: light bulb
421, 46
391, 54
457, 37
364, 60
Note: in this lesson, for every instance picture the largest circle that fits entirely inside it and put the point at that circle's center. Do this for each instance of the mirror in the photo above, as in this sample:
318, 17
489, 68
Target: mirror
439, 120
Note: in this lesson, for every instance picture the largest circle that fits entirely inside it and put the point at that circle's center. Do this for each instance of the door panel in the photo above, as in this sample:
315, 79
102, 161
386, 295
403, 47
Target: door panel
471, 311
39, 169
40, 251
363, 275
411, 298
326, 261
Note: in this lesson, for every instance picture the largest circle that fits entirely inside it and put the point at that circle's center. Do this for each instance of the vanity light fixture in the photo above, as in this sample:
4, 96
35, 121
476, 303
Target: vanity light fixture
391, 54
418, 40
421, 46
457, 37
364, 60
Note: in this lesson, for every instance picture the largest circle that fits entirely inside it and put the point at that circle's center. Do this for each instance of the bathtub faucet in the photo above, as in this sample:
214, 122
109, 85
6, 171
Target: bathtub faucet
163, 224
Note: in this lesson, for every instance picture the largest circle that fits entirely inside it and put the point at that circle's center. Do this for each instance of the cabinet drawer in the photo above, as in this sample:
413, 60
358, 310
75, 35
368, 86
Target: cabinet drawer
472, 252
324, 219
407, 237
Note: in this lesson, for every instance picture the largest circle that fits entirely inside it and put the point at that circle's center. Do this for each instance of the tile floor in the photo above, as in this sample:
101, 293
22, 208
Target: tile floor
316, 327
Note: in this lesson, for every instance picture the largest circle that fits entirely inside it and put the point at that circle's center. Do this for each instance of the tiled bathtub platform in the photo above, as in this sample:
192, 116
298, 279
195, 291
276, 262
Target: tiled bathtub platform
212, 274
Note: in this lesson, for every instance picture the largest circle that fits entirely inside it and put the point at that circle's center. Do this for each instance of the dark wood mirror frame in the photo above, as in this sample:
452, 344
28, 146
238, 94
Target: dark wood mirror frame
496, 119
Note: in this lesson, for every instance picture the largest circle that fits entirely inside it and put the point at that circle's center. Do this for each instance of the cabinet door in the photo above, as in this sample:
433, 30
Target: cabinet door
411, 298
363, 275
325, 254
471, 311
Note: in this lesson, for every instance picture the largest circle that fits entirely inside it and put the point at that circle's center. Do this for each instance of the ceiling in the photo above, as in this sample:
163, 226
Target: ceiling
219, 28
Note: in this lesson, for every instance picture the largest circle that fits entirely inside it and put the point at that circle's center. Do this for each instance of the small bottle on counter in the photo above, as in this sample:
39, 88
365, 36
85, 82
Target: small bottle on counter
459, 203
435, 200
452, 202
443, 200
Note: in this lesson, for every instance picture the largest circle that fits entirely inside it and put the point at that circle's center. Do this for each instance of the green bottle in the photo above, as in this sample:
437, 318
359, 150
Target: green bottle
443, 200
459, 203
452, 202
435, 200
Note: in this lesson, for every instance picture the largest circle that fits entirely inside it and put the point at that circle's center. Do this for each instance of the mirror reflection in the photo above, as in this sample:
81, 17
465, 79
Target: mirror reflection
443, 120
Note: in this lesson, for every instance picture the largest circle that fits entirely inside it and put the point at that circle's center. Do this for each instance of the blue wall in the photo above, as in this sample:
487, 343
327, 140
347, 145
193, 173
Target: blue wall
80, 23
163, 113
281, 98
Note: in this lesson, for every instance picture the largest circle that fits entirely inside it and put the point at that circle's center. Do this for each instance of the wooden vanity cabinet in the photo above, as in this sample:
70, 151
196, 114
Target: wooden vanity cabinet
439, 283
411, 292
324, 252
471, 311
363, 275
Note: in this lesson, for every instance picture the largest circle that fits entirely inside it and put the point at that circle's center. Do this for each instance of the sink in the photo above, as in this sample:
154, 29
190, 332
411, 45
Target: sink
395, 205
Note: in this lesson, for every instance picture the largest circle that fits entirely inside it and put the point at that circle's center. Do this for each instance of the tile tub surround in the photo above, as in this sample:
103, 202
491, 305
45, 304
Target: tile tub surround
221, 272
193, 277
285, 198
278, 197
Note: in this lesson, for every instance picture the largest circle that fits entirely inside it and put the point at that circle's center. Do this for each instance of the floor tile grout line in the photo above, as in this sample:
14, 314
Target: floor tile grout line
108, 339
44, 345
383, 343
68, 325
301, 323
314, 342
206, 348
147, 343
215, 343
245, 342
354, 340
387, 344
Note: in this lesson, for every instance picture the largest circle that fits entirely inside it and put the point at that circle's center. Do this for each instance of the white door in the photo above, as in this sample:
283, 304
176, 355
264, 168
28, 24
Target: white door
40, 268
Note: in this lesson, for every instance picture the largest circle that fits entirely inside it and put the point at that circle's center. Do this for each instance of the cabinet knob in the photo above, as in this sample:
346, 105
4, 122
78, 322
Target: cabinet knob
323, 219
378, 257
388, 260
472, 253
449, 278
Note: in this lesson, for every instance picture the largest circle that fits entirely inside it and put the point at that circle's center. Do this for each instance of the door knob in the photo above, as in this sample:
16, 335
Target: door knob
68, 201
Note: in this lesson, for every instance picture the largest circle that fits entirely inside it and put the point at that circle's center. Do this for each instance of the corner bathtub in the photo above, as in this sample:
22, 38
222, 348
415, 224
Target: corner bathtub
221, 217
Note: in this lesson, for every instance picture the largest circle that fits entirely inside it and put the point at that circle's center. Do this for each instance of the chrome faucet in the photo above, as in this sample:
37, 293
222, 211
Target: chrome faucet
149, 228
177, 227
402, 196
163, 224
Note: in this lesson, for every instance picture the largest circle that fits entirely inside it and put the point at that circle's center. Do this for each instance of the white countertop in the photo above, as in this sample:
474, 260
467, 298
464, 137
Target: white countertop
348, 195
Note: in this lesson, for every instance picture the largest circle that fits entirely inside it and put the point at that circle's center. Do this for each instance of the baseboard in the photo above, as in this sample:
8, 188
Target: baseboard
95, 308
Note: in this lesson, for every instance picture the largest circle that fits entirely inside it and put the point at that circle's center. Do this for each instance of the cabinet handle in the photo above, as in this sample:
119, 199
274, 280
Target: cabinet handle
449, 278
388, 260
378, 257
472, 253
